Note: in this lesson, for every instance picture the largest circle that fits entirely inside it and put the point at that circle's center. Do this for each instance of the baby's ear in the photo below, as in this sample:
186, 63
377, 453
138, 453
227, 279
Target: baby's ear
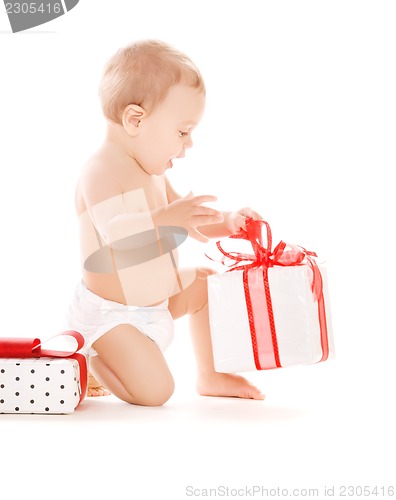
131, 118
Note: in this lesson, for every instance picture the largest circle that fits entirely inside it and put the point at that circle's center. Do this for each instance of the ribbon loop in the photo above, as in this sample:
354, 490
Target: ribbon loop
60, 354
18, 347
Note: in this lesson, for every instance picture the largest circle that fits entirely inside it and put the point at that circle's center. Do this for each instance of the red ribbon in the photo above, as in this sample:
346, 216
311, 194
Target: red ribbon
283, 255
31, 348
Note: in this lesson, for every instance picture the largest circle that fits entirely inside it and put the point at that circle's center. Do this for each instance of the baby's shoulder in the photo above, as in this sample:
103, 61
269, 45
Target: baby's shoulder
108, 175
99, 178
101, 163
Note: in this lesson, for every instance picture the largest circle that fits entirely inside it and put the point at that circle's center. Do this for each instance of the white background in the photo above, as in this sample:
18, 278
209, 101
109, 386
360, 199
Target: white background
300, 125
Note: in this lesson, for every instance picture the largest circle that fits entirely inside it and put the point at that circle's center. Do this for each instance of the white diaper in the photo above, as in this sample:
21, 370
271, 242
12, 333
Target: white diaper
94, 316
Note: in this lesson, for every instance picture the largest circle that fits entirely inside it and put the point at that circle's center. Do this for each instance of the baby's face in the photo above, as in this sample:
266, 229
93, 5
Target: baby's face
165, 133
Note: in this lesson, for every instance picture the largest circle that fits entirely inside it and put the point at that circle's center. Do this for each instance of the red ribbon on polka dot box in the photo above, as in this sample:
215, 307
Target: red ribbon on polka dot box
36, 380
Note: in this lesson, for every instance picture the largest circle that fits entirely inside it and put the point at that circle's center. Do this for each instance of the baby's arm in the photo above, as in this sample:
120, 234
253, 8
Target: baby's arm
187, 212
115, 222
231, 222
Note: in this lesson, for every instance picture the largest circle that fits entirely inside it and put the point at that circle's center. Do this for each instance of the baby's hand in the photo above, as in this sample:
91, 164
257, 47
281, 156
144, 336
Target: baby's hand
237, 220
189, 213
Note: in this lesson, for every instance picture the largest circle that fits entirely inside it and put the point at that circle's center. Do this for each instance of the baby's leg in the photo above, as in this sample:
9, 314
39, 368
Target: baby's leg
132, 367
194, 301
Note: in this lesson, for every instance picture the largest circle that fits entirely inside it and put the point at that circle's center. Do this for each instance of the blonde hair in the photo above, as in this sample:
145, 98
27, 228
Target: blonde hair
142, 73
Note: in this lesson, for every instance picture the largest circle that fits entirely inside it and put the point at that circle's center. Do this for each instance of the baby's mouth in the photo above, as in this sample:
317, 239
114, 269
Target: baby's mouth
180, 155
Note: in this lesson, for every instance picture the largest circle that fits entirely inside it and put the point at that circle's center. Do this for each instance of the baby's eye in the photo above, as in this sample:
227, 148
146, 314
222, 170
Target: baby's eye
182, 134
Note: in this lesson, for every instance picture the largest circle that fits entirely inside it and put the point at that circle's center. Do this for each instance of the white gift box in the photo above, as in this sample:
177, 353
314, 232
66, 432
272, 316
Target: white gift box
39, 385
301, 333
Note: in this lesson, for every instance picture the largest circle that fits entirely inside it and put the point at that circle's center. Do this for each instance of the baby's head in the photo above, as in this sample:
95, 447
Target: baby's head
142, 73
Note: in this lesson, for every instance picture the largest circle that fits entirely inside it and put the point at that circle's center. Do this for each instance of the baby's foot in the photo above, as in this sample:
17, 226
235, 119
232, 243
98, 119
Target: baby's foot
227, 385
95, 388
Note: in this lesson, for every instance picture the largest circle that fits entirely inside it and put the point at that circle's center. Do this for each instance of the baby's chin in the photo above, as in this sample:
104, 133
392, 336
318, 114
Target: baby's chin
156, 170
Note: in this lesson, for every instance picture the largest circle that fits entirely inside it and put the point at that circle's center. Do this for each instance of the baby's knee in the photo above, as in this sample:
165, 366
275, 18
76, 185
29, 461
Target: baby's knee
202, 273
201, 291
160, 395
156, 395
157, 399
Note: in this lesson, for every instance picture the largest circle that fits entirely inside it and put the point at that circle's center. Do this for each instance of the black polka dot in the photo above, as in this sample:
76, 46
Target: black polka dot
47, 364
31, 371
47, 379
47, 409
1, 400
2, 370
17, 379
16, 408
32, 401
2, 386
32, 386
17, 394
62, 386
47, 393
61, 401
17, 364
62, 371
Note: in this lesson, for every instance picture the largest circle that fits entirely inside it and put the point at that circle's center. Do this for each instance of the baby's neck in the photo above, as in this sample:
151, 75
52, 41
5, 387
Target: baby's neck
117, 136
117, 142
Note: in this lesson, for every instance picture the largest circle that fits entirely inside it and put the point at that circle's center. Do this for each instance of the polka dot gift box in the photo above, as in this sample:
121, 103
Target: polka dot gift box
33, 380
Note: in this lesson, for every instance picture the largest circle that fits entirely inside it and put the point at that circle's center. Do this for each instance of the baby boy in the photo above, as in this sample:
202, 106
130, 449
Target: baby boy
131, 221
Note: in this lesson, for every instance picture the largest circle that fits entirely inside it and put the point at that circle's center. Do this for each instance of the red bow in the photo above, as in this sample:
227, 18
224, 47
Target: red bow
283, 255
31, 348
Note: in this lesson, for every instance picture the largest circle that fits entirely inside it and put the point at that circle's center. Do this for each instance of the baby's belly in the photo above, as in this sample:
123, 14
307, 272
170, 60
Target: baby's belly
146, 284
107, 286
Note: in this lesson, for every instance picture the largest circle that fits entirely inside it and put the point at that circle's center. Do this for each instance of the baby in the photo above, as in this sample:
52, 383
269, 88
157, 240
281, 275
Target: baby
131, 221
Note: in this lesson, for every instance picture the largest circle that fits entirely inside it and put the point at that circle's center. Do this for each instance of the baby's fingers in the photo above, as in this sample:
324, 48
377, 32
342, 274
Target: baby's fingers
203, 198
248, 212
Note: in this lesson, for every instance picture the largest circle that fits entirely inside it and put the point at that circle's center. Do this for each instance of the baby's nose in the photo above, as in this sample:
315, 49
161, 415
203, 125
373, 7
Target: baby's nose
188, 143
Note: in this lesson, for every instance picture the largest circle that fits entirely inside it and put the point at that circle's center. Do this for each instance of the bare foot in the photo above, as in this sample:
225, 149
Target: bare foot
95, 388
227, 385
